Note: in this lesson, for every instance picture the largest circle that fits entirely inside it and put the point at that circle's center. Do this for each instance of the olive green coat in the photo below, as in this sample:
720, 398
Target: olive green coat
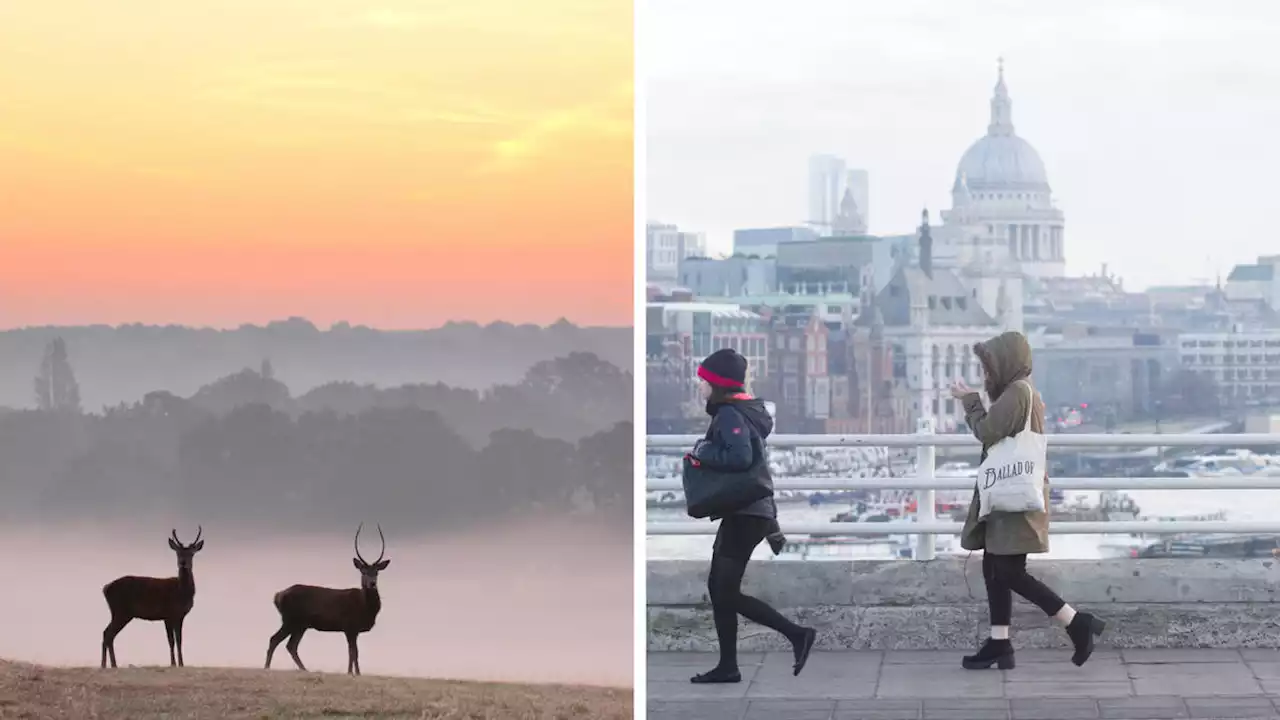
1007, 359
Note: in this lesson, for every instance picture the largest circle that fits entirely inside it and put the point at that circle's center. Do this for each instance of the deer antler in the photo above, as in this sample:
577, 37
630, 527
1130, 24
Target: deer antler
383, 551
358, 555
199, 532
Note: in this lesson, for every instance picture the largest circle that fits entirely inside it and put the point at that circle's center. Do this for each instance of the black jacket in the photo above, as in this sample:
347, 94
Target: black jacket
727, 445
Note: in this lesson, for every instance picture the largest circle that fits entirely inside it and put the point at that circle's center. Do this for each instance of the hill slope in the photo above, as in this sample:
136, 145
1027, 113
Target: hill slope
43, 693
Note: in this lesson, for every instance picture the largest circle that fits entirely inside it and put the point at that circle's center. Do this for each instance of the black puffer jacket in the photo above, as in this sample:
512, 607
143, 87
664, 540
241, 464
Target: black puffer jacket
727, 445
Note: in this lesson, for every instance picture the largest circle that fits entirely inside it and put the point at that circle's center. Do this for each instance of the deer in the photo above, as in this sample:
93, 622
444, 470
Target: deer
148, 598
351, 611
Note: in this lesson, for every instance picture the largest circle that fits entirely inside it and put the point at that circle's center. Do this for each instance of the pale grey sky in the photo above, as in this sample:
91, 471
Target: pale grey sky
1157, 121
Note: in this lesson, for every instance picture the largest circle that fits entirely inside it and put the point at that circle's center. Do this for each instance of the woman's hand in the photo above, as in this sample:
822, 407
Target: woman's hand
959, 389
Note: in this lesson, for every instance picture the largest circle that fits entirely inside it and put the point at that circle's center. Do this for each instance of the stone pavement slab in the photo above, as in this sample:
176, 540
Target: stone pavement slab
919, 684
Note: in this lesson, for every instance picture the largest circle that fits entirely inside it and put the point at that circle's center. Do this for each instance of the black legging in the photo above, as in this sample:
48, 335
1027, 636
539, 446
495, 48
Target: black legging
737, 537
1006, 575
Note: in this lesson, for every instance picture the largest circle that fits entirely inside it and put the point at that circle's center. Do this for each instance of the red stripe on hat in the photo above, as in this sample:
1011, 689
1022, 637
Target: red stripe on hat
715, 379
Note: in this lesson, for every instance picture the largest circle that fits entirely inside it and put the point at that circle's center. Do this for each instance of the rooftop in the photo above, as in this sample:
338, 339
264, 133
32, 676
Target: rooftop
1252, 273
721, 310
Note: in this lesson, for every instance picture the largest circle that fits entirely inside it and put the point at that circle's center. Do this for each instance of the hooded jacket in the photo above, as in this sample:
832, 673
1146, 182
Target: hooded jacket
727, 445
1007, 360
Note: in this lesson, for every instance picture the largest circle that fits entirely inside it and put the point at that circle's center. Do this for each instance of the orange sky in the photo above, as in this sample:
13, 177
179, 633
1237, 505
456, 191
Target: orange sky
396, 163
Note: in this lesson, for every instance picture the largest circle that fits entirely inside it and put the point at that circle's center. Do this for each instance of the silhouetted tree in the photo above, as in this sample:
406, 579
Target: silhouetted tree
55, 385
121, 364
246, 387
605, 467
242, 452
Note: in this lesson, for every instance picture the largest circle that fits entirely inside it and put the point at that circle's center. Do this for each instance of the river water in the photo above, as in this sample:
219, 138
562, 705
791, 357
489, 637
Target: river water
1237, 504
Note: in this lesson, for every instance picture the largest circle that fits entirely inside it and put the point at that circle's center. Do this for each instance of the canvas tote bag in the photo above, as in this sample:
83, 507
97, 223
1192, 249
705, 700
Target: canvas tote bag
1011, 479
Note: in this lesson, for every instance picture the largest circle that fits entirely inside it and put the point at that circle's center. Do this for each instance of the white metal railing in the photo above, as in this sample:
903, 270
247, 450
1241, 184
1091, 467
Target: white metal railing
926, 525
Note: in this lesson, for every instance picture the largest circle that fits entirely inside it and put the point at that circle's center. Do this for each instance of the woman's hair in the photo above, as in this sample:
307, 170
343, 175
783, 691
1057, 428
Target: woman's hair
722, 394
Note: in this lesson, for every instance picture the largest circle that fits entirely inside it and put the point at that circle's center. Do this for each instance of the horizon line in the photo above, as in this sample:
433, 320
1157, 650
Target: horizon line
337, 326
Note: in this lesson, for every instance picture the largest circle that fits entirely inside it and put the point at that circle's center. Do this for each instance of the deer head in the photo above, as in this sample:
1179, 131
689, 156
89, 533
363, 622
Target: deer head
369, 570
186, 552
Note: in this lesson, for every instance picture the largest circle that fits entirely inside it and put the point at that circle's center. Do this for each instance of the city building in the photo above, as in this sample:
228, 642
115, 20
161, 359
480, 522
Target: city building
929, 318
829, 306
701, 328
666, 248
1178, 297
859, 185
1243, 363
862, 265
830, 181
731, 276
1121, 370
764, 242
1259, 281
828, 177
1002, 205
678, 335
798, 381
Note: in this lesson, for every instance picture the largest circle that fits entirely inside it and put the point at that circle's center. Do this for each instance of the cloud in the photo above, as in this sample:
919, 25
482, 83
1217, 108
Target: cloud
565, 20
609, 116
359, 98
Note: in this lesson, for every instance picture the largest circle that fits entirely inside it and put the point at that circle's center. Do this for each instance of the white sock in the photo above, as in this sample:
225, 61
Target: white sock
1065, 615
999, 632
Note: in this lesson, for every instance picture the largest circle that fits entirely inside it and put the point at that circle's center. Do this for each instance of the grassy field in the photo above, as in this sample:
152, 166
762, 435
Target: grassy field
36, 692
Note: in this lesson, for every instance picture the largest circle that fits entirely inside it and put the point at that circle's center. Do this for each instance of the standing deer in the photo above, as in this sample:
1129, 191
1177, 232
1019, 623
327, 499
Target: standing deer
353, 611
148, 598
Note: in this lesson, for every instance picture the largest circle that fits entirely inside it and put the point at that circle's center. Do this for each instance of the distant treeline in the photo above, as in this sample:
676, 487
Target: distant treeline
121, 364
243, 451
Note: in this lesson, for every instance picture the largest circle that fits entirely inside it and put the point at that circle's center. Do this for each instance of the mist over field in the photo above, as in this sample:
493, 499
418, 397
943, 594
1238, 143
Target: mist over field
507, 510
121, 364
539, 600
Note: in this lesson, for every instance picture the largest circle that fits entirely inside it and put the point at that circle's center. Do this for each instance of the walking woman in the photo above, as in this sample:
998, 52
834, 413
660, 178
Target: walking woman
1007, 538
737, 417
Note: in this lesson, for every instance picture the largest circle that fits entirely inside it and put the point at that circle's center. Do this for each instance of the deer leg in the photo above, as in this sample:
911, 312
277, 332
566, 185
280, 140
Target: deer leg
109, 638
168, 635
177, 636
292, 646
353, 654
276, 639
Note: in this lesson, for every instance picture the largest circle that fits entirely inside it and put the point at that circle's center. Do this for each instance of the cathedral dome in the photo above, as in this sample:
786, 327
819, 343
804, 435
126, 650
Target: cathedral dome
1001, 160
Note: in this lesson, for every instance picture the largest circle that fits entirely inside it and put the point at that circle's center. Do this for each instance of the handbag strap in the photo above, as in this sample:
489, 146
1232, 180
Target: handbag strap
1031, 405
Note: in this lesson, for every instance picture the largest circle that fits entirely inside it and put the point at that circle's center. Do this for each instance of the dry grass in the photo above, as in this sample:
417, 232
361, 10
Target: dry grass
42, 693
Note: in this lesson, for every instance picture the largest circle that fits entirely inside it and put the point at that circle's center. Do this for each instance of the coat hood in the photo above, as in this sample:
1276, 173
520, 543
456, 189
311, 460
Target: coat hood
1006, 358
753, 409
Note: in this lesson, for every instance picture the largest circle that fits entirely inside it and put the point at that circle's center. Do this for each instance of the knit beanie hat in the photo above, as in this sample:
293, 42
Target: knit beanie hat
724, 368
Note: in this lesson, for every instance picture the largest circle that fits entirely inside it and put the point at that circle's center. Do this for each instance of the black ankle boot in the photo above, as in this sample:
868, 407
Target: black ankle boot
717, 675
1083, 629
993, 652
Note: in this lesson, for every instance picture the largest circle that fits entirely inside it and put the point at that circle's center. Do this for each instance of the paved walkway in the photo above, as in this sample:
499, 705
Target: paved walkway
897, 685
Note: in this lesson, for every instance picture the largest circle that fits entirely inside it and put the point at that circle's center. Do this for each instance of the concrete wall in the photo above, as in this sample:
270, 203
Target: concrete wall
942, 604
